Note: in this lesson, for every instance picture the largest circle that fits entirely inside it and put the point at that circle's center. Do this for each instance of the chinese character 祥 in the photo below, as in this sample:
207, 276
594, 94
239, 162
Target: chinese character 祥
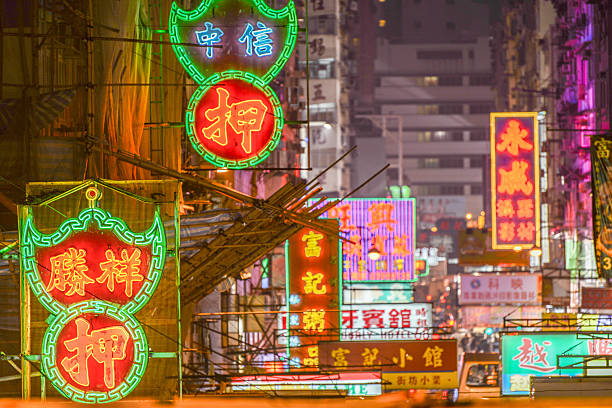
433, 356
244, 117
68, 269
532, 356
380, 215
104, 345
373, 318
257, 40
515, 180
513, 139
403, 357
208, 37
339, 356
312, 248
313, 356
369, 356
314, 320
123, 270
525, 208
400, 245
505, 208
312, 282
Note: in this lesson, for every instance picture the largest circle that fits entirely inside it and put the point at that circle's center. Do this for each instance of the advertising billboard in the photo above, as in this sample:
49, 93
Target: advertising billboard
314, 287
414, 364
379, 292
381, 225
515, 180
487, 289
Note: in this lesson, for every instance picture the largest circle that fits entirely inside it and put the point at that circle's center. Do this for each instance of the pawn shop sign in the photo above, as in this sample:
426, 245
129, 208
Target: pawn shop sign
233, 49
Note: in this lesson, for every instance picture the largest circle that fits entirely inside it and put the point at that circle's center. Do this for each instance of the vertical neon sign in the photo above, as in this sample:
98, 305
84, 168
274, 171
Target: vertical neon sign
92, 275
515, 180
232, 49
314, 287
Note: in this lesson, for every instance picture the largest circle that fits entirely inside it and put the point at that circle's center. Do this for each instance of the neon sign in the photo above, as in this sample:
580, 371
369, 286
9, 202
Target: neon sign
234, 119
384, 224
92, 274
314, 285
515, 180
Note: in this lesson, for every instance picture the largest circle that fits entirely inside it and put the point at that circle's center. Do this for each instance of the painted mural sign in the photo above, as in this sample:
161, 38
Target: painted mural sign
386, 225
527, 355
92, 275
232, 49
515, 176
314, 286
428, 364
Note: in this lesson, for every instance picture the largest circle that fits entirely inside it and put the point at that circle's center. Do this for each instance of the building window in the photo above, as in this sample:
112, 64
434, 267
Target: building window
480, 80
429, 163
450, 25
453, 80
451, 189
478, 135
439, 54
451, 162
451, 109
477, 108
427, 81
382, 23
417, 25
428, 109
475, 189
476, 163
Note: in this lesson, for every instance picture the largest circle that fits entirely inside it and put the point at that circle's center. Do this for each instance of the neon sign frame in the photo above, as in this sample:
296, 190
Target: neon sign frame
31, 238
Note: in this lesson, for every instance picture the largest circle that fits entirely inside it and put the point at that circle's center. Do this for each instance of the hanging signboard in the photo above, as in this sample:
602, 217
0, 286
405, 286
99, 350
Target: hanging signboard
487, 289
515, 180
405, 364
93, 274
314, 286
409, 321
596, 298
232, 49
381, 225
475, 249
380, 292
493, 316
601, 146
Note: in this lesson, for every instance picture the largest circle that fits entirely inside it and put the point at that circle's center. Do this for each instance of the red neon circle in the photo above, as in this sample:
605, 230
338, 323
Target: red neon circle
234, 120
94, 285
88, 373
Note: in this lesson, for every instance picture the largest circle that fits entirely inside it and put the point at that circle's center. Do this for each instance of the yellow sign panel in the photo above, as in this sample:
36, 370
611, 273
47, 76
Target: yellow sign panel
559, 321
431, 380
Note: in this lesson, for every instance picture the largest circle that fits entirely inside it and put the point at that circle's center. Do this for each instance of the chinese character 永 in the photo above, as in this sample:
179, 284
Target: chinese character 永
209, 36
121, 270
68, 269
513, 139
312, 284
104, 345
244, 117
257, 40
312, 248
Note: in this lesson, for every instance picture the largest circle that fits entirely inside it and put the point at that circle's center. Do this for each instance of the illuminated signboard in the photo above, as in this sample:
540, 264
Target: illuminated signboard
314, 286
232, 49
515, 180
385, 225
396, 321
355, 384
488, 289
92, 275
413, 364
379, 292
527, 355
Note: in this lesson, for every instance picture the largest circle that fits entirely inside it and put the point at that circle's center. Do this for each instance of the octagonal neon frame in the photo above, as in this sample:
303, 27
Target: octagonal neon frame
220, 161
32, 238
177, 14
49, 363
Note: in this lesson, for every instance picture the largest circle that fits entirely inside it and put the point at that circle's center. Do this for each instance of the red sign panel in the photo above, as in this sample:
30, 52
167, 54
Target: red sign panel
314, 283
596, 298
515, 186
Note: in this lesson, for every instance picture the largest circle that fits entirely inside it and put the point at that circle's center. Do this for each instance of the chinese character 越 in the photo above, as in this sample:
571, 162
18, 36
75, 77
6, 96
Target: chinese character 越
314, 320
339, 356
513, 139
506, 231
312, 282
104, 345
123, 270
208, 37
68, 269
244, 117
312, 248
433, 356
257, 40
532, 356
369, 356
401, 360
505, 208
515, 179
313, 356
380, 215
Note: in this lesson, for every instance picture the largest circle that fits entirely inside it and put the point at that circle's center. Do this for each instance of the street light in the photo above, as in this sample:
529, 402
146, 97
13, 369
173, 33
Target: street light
373, 253
535, 251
